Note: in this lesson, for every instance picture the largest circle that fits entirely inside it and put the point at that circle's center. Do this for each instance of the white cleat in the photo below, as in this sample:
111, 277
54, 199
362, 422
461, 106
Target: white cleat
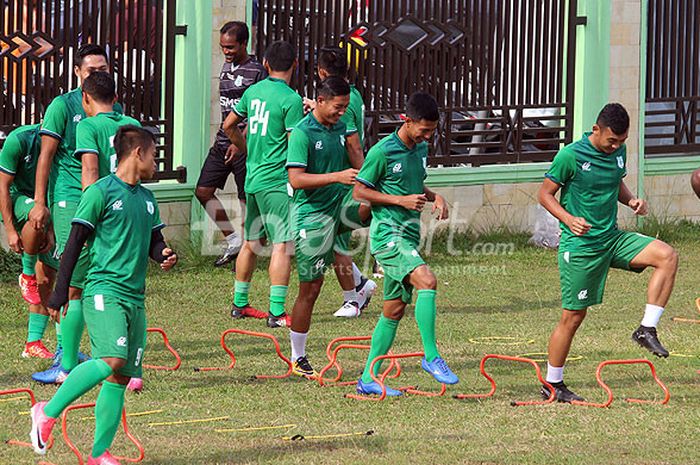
348, 310
365, 291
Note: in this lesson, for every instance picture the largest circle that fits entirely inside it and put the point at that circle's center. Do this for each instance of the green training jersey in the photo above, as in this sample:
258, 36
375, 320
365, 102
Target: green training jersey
272, 109
590, 181
96, 135
122, 218
18, 158
60, 121
354, 116
320, 150
394, 169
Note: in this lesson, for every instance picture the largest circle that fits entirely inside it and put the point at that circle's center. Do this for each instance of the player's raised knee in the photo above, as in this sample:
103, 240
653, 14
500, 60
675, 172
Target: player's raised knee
423, 278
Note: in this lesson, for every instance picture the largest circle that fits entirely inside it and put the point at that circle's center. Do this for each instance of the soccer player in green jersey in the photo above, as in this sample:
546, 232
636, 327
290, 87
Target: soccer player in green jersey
94, 140
321, 174
58, 133
357, 289
120, 218
17, 169
392, 182
272, 109
590, 174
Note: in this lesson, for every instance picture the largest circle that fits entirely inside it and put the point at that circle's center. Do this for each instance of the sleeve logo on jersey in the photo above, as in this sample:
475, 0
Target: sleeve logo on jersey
620, 162
28, 158
586, 166
118, 205
77, 118
149, 206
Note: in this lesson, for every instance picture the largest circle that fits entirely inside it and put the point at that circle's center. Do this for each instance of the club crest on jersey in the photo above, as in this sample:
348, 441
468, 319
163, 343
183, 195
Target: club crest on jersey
239, 81
620, 162
149, 206
118, 205
319, 144
397, 168
77, 118
586, 166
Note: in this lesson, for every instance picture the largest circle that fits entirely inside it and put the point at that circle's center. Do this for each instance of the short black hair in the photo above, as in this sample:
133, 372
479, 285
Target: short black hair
333, 61
130, 137
86, 50
280, 56
615, 117
237, 29
100, 86
333, 86
422, 106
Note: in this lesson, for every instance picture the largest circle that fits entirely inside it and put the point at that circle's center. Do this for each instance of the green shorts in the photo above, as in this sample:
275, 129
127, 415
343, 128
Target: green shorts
21, 207
62, 214
117, 329
315, 247
583, 273
267, 215
399, 258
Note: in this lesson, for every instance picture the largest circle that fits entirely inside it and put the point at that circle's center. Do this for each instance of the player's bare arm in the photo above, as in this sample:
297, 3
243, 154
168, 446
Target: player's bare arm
300, 179
13, 239
546, 197
626, 197
439, 203
91, 169
366, 194
39, 214
354, 149
231, 129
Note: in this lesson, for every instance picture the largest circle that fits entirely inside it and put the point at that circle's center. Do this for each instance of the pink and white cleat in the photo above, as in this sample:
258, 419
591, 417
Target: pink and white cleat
135, 385
105, 459
41, 428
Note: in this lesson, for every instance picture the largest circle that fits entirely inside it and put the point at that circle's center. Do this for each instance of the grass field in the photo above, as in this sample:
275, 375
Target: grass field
508, 294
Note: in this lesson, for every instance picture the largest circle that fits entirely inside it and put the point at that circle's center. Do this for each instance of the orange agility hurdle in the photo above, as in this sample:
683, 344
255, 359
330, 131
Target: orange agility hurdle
178, 361
81, 461
380, 380
482, 369
233, 356
32, 399
606, 388
332, 355
688, 320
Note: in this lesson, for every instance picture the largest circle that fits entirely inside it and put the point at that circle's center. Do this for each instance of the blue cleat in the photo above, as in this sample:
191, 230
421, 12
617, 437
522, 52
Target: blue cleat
83, 357
375, 388
440, 371
58, 357
54, 375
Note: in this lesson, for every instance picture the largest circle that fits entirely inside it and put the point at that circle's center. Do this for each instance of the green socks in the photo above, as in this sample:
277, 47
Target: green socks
278, 295
59, 337
382, 339
425, 318
240, 293
28, 264
85, 377
37, 325
108, 412
72, 332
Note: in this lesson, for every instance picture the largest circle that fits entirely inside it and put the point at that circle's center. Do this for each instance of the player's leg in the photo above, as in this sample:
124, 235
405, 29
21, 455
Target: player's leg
247, 259
274, 207
110, 401
582, 278
301, 322
38, 315
109, 331
383, 338
31, 243
636, 252
212, 177
425, 283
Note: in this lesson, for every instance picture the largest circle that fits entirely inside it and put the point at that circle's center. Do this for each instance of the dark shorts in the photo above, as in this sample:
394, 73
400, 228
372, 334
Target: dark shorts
215, 172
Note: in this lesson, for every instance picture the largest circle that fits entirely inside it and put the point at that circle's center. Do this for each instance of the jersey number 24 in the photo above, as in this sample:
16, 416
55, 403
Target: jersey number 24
258, 117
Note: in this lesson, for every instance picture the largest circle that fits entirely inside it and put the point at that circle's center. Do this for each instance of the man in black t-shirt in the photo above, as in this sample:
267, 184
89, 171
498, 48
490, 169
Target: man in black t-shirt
239, 72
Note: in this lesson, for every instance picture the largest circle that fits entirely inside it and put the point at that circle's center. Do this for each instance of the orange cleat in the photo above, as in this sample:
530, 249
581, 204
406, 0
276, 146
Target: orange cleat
36, 349
29, 288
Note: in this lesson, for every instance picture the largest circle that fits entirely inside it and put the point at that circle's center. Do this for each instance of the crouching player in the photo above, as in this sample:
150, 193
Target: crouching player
120, 218
391, 181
